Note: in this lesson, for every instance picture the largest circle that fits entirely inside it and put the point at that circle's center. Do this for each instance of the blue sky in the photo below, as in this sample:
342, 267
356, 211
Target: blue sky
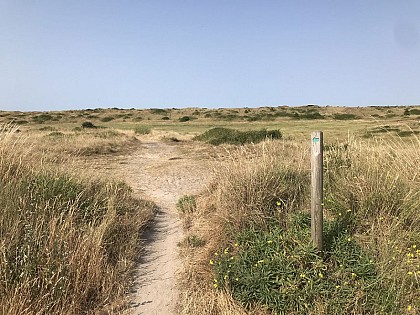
74, 54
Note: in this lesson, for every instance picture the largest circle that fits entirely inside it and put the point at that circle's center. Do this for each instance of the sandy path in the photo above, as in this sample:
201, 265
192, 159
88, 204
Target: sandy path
162, 173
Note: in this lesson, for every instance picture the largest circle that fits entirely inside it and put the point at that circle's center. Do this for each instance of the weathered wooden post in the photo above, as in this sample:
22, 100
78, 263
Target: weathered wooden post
316, 188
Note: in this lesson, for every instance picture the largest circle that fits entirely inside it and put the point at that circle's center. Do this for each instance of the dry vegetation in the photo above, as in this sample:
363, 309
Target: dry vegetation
68, 242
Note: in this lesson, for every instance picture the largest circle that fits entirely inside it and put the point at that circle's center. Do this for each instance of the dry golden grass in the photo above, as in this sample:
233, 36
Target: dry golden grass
68, 241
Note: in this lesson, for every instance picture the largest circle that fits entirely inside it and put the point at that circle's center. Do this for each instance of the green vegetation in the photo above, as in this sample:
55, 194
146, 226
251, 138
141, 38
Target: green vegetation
158, 111
279, 268
186, 204
42, 118
56, 134
194, 241
107, 118
142, 130
218, 136
345, 116
88, 125
184, 118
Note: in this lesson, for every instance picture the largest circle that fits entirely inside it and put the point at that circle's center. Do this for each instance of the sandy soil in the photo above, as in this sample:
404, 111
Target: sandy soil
161, 172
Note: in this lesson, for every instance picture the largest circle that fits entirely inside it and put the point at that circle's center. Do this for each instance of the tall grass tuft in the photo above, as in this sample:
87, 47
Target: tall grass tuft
67, 243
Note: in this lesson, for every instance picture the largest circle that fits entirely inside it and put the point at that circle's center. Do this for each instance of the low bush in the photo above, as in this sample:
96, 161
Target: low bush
47, 128
56, 134
218, 136
158, 111
42, 118
345, 116
88, 125
186, 204
184, 118
107, 118
142, 130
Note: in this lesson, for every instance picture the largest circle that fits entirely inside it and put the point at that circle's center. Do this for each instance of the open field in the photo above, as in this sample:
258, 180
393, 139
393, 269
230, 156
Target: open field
70, 228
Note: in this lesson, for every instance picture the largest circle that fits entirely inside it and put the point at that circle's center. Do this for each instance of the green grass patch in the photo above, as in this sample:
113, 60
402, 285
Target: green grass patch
88, 125
107, 118
142, 130
345, 116
42, 118
279, 268
218, 136
186, 204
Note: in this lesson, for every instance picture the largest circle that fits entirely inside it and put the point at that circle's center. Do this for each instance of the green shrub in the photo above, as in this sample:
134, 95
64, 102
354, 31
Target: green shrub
414, 111
407, 133
47, 128
56, 134
194, 241
186, 204
279, 268
42, 118
158, 111
310, 115
218, 136
184, 118
88, 124
142, 130
107, 118
165, 118
108, 134
21, 122
345, 116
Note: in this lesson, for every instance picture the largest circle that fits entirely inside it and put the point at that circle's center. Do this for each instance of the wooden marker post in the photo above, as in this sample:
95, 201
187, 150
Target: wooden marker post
316, 188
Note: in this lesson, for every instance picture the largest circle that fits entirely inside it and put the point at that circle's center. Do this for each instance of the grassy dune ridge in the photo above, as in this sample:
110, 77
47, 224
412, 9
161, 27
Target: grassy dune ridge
68, 243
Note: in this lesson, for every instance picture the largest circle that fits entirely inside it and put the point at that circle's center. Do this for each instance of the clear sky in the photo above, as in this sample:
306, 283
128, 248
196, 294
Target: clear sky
73, 54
